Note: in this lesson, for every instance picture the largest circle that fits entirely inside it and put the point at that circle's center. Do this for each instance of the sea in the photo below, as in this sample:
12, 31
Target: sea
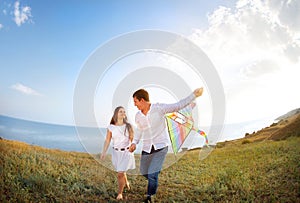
52, 136
87, 139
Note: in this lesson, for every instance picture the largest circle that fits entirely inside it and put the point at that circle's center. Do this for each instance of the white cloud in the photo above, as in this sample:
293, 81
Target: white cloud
250, 27
256, 48
259, 68
1, 26
287, 11
25, 90
21, 15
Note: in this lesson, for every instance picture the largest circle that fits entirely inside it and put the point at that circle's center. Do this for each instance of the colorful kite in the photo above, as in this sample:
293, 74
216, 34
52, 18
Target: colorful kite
180, 124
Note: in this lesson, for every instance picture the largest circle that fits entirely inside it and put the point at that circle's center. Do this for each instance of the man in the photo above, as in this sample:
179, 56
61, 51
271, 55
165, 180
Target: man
150, 122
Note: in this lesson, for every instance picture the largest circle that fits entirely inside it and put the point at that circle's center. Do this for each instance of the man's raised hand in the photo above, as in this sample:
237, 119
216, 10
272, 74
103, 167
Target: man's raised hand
198, 92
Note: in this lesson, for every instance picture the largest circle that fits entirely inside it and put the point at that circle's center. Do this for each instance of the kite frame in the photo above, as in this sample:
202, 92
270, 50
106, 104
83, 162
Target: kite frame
180, 119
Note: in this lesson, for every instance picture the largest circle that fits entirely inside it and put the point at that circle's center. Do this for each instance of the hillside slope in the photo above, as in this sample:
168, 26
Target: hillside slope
288, 126
288, 114
255, 172
284, 128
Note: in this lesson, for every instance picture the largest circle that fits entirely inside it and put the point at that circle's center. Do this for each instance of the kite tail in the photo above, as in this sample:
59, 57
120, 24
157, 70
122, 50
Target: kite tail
202, 133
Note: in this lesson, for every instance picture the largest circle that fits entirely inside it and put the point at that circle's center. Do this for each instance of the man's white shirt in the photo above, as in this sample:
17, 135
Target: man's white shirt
151, 128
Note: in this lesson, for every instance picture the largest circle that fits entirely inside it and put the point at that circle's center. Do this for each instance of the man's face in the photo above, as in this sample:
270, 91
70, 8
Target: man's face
138, 103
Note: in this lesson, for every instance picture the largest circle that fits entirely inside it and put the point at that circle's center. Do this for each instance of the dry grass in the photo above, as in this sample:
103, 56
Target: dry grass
254, 172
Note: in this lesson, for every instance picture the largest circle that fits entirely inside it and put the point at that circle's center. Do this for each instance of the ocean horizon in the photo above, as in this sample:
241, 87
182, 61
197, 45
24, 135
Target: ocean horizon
91, 140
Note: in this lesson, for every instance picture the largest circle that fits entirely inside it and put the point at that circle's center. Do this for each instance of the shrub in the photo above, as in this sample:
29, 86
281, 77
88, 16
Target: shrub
246, 141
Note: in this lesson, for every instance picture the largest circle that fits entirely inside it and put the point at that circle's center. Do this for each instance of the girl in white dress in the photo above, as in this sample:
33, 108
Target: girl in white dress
121, 134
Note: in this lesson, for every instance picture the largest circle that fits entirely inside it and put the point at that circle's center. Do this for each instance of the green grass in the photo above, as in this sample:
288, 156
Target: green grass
266, 171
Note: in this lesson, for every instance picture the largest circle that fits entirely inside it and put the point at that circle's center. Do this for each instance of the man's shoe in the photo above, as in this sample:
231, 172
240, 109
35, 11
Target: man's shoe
148, 199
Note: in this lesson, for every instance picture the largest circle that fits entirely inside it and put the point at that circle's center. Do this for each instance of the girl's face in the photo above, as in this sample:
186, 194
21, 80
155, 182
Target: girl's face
121, 113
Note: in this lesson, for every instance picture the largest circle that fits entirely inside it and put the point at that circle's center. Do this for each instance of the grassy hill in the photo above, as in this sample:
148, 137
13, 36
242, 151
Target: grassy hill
286, 127
262, 167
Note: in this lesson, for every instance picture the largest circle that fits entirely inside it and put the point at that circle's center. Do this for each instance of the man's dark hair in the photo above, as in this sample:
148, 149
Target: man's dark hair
141, 94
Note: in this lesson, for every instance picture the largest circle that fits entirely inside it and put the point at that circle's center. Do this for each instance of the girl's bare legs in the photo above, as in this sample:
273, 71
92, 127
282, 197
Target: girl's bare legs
121, 182
126, 182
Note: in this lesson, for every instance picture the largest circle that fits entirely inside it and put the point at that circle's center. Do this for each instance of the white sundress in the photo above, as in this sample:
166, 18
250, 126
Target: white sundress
121, 160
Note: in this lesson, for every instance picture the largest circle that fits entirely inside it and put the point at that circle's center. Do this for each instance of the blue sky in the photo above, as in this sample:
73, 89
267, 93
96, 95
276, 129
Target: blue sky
254, 45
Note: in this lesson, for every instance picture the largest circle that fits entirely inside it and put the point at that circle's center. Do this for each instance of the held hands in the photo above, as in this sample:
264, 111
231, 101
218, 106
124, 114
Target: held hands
198, 92
132, 147
102, 156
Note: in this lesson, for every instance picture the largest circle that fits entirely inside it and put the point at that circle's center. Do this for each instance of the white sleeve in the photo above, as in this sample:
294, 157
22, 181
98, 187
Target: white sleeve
110, 127
169, 108
138, 131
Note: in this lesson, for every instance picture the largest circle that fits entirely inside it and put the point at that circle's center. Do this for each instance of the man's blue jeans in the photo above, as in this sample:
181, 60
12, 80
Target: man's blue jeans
151, 165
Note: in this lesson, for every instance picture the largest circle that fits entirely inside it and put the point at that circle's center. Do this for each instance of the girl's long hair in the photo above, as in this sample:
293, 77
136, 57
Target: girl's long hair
114, 120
